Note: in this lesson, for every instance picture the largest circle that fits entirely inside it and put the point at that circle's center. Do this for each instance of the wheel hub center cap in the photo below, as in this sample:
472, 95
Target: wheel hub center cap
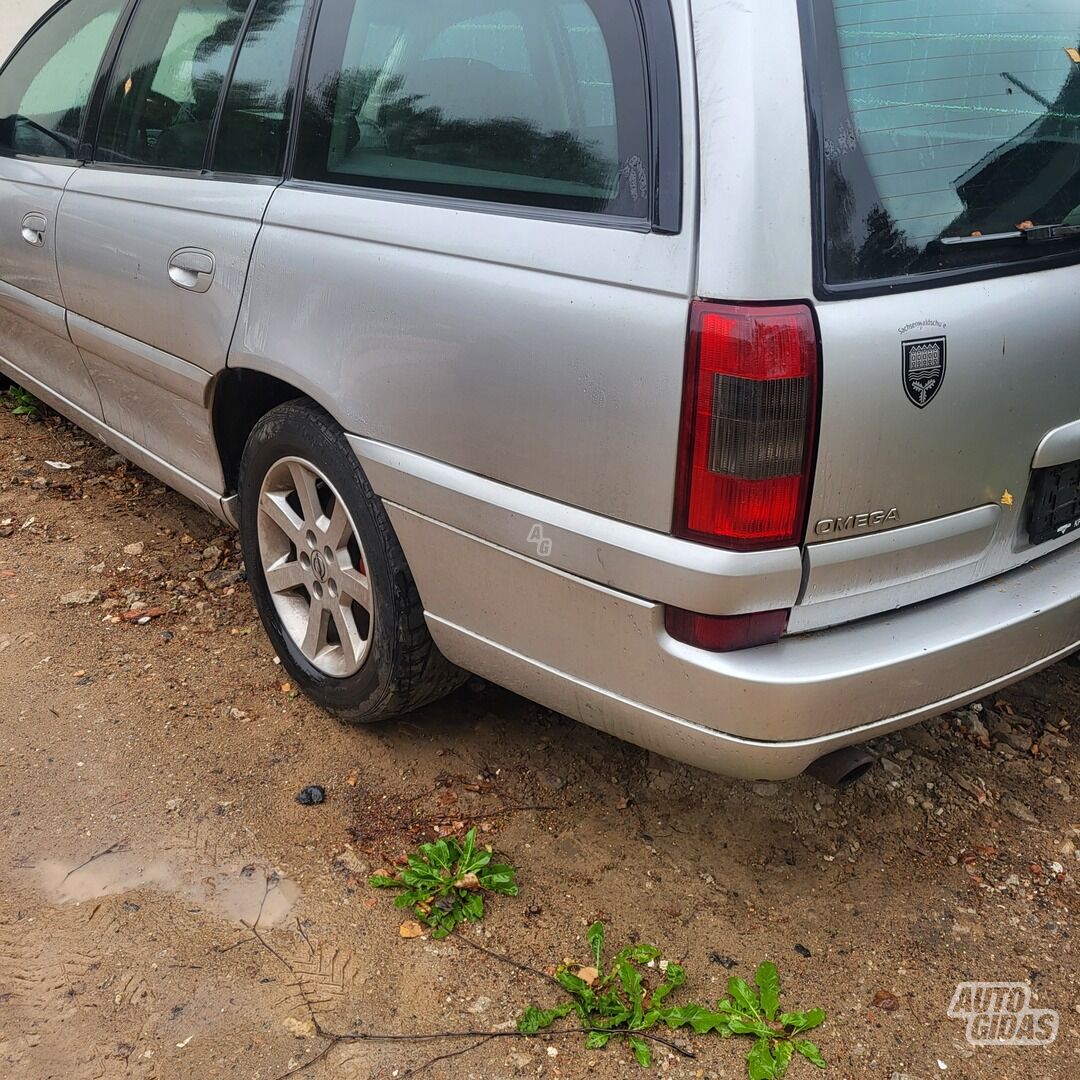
318, 566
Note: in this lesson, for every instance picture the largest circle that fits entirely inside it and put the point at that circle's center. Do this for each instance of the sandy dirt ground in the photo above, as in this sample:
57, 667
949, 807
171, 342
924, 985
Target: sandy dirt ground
168, 911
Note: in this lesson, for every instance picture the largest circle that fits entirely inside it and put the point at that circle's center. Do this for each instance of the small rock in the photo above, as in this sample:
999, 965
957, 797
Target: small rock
886, 1001
803, 951
410, 929
969, 720
1018, 741
222, 579
80, 598
766, 790
1058, 787
312, 795
965, 783
348, 860
1019, 810
135, 549
891, 767
921, 739
301, 1029
479, 1006
172, 806
212, 556
550, 780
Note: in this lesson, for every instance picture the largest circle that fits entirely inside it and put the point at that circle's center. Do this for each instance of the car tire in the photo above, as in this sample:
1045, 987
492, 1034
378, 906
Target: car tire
328, 575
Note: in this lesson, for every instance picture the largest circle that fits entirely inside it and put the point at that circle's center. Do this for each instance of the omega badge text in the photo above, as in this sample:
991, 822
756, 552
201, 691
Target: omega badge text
855, 522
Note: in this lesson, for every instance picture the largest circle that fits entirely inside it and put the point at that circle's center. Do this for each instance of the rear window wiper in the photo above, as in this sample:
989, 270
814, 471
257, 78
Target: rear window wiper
1037, 234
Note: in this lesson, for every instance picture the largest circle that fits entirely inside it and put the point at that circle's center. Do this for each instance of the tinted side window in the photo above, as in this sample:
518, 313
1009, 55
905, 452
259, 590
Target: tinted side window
538, 102
254, 123
45, 88
166, 82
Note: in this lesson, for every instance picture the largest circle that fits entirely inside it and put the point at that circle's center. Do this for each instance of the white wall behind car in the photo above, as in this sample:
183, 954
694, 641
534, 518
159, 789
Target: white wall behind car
16, 17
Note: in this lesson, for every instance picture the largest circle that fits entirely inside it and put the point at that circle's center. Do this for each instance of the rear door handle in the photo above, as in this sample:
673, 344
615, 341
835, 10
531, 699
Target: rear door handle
34, 228
192, 269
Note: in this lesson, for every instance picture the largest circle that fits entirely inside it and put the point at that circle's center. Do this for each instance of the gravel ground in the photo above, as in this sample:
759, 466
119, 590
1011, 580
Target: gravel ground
168, 910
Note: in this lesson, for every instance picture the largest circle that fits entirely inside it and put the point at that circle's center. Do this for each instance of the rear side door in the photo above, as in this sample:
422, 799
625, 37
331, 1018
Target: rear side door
156, 233
45, 91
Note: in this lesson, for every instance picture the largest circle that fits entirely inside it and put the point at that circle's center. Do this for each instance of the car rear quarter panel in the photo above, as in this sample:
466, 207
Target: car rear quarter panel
541, 351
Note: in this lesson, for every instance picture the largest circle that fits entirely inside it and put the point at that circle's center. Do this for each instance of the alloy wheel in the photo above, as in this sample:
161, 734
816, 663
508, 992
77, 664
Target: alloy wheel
315, 567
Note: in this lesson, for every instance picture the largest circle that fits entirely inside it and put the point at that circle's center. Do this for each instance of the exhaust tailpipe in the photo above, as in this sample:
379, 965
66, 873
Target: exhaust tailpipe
842, 768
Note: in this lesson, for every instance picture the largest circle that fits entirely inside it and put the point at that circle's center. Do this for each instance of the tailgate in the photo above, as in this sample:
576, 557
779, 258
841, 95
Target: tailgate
947, 193
913, 499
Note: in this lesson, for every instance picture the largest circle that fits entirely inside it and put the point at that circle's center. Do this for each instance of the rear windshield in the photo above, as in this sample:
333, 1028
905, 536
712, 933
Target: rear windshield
940, 119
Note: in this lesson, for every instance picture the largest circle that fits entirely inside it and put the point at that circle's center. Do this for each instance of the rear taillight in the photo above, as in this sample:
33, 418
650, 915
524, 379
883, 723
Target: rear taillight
748, 426
746, 448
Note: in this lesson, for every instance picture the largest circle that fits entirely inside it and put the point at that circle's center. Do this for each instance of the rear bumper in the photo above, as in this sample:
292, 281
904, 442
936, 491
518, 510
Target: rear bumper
566, 608
603, 657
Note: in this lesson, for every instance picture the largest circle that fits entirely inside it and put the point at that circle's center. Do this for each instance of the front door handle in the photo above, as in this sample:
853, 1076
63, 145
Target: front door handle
192, 269
34, 228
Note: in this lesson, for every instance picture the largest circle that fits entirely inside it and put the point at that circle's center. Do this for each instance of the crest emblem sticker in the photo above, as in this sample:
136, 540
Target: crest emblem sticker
924, 369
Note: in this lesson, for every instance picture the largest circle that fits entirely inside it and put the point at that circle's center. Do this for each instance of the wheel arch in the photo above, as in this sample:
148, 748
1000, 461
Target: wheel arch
242, 397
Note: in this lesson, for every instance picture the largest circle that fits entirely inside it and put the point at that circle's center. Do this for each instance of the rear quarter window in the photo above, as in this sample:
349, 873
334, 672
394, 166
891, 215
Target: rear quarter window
939, 120
534, 102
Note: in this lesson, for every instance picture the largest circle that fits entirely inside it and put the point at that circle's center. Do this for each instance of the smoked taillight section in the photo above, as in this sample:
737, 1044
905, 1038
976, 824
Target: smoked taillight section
748, 427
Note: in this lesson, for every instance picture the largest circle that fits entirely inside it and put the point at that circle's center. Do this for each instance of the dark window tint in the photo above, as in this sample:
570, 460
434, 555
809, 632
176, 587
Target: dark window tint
167, 80
254, 121
945, 119
46, 86
536, 102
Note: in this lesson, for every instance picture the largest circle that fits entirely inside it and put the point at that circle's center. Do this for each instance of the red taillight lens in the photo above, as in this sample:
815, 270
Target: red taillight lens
749, 421
726, 633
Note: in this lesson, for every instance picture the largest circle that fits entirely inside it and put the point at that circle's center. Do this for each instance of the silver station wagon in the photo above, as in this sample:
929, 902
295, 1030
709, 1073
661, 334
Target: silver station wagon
707, 372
